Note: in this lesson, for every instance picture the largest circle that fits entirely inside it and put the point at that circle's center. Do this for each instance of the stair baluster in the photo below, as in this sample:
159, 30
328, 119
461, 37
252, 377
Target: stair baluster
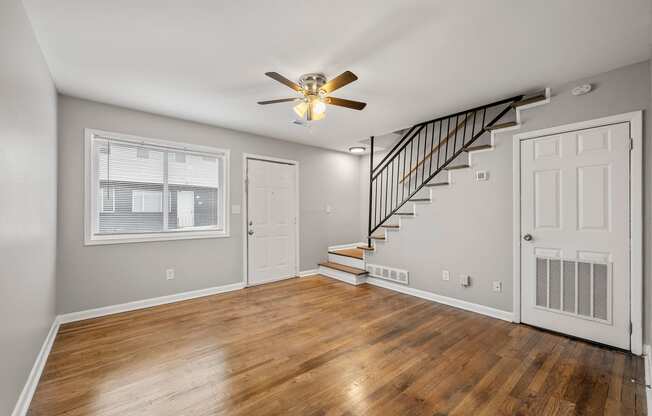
398, 176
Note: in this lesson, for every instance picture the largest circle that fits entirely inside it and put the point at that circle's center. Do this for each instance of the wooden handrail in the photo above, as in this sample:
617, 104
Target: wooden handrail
435, 147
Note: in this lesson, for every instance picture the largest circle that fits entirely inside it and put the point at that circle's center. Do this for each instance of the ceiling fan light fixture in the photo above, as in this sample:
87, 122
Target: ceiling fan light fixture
315, 90
301, 108
317, 107
319, 116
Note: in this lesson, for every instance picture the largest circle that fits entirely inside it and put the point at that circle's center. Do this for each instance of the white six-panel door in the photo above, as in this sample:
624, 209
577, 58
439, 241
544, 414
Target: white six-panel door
271, 221
575, 275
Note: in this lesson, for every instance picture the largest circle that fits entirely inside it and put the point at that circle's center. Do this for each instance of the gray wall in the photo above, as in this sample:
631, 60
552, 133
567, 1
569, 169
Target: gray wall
28, 182
94, 276
476, 217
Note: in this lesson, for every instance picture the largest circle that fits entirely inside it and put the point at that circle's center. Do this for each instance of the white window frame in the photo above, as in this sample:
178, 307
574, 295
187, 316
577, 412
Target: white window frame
91, 212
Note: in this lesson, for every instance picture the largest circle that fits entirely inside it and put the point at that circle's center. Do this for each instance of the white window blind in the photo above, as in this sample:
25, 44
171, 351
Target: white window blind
147, 189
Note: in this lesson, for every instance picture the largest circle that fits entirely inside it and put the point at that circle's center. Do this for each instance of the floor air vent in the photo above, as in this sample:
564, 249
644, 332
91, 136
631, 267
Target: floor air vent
388, 273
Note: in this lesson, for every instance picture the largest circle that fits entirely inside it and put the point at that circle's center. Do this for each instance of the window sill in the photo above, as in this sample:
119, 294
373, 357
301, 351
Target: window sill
146, 238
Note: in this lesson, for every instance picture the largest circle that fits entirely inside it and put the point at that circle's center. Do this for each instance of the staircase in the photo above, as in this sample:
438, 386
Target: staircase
345, 264
422, 161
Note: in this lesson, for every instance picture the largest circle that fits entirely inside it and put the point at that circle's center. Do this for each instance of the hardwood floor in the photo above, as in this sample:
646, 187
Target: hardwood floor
315, 346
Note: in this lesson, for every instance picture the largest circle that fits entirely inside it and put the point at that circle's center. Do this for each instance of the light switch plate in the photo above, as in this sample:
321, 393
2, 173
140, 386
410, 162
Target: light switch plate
169, 274
445, 275
497, 286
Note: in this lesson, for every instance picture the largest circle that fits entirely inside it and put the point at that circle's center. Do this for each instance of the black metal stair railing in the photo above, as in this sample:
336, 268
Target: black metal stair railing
425, 150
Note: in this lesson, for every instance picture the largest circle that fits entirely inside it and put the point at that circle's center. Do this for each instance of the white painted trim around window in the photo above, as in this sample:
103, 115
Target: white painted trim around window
90, 197
635, 119
245, 252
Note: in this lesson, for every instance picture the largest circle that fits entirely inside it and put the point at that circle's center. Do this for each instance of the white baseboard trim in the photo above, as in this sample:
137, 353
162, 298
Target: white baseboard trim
147, 303
308, 272
25, 398
457, 303
647, 351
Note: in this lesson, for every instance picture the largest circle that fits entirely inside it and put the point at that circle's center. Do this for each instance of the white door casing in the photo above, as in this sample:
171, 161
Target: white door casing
271, 223
575, 270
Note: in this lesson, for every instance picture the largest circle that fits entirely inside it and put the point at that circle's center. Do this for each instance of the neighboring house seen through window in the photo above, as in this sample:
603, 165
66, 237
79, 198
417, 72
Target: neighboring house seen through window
106, 197
146, 201
148, 190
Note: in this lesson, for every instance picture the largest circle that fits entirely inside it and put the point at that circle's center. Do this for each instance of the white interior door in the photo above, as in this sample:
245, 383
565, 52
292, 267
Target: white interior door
271, 221
575, 276
185, 209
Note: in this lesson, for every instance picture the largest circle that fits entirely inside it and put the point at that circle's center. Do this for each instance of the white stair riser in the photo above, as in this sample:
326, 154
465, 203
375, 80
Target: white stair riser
345, 260
342, 276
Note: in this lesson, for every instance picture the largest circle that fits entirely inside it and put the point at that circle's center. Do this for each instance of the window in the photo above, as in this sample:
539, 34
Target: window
106, 196
146, 201
148, 190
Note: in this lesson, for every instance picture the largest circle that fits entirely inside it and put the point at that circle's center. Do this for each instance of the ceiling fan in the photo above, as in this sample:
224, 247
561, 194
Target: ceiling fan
314, 89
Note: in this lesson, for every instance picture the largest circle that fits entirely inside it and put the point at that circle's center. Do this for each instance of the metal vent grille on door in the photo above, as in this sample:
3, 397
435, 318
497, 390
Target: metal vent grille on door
575, 287
388, 273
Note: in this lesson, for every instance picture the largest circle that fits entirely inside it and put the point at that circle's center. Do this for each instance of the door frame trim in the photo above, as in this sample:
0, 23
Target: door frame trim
245, 213
635, 119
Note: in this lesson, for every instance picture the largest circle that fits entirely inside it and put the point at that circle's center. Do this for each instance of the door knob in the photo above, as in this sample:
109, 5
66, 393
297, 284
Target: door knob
527, 237
251, 232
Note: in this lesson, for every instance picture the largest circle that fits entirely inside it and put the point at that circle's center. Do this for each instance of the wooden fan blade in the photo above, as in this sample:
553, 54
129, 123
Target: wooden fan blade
355, 105
280, 78
339, 81
282, 100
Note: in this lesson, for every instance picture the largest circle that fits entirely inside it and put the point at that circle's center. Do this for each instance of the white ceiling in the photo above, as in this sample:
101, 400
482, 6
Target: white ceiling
205, 60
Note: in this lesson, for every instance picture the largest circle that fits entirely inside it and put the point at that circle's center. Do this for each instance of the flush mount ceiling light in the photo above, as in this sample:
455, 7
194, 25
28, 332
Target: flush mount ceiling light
314, 89
356, 149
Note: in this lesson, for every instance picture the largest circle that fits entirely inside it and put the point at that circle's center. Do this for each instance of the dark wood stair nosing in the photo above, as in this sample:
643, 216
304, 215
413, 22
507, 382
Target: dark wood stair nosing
530, 100
343, 268
455, 167
420, 200
437, 184
346, 255
501, 126
410, 214
378, 237
391, 226
366, 248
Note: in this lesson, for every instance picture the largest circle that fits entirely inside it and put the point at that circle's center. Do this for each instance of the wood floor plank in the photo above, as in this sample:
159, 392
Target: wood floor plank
316, 346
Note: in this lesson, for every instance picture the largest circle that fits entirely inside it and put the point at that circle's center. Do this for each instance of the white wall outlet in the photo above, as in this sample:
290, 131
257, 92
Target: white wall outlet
465, 280
497, 286
481, 175
169, 274
445, 275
